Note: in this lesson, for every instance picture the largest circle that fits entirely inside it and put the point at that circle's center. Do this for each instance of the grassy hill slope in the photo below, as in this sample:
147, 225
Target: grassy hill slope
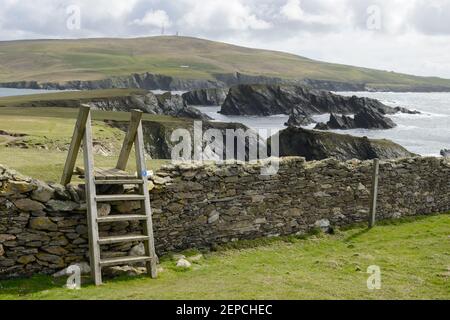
181, 57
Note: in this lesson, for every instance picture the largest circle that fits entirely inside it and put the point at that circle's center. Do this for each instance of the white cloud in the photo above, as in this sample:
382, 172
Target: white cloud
156, 18
222, 15
292, 10
331, 14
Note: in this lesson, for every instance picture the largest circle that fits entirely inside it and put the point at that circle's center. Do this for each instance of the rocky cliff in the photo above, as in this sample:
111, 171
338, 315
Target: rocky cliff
160, 104
266, 100
206, 97
146, 81
157, 135
150, 81
315, 145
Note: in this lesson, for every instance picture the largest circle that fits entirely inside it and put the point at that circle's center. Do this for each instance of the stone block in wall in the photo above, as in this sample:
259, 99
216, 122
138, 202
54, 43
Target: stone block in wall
43, 192
61, 206
43, 223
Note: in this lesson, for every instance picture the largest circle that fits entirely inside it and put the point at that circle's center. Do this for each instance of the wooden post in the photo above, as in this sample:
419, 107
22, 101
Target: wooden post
374, 193
148, 227
94, 248
136, 117
75, 144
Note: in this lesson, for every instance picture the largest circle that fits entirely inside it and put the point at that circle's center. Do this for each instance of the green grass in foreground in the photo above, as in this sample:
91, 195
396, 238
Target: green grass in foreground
413, 255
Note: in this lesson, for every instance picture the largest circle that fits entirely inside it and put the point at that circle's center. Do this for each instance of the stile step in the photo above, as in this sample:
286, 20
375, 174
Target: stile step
123, 260
120, 197
119, 182
118, 239
122, 217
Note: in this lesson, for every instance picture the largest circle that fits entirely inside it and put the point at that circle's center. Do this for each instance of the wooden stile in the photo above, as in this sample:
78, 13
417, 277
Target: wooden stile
94, 176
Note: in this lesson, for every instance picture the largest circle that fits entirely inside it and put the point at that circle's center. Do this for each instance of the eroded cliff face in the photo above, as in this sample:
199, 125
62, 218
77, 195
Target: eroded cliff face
151, 81
315, 145
146, 81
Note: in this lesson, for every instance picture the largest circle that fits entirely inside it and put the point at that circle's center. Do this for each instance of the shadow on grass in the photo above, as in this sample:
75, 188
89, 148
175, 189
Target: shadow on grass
357, 235
27, 286
24, 287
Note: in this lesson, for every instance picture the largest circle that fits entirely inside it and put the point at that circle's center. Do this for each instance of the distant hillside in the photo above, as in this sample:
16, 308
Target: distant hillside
59, 61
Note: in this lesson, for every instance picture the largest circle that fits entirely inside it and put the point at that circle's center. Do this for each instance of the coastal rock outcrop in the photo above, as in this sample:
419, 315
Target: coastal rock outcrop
338, 122
157, 135
316, 145
365, 119
299, 118
372, 119
206, 97
445, 153
266, 100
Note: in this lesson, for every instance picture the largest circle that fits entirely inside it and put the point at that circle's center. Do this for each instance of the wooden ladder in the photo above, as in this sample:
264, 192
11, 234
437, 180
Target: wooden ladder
116, 176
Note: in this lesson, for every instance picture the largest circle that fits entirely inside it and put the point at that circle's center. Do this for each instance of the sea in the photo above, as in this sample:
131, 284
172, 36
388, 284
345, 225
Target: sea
425, 134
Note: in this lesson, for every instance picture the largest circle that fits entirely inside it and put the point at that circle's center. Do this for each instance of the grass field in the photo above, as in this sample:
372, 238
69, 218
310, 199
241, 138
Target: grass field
81, 96
413, 255
93, 59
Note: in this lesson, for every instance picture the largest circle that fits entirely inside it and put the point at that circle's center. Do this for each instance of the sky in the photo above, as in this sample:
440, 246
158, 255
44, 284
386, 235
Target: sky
409, 36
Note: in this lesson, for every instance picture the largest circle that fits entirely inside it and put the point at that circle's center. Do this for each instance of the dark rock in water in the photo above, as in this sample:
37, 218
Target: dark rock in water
405, 110
445, 153
206, 97
322, 126
341, 122
299, 118
315, 145
365, 119
371, 119
266, 100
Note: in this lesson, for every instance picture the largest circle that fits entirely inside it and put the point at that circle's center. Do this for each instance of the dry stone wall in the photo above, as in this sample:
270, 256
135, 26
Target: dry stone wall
43, 226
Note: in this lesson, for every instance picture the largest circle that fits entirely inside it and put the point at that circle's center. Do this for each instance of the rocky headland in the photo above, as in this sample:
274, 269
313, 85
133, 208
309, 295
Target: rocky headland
301, 103
267, 100
316, 145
